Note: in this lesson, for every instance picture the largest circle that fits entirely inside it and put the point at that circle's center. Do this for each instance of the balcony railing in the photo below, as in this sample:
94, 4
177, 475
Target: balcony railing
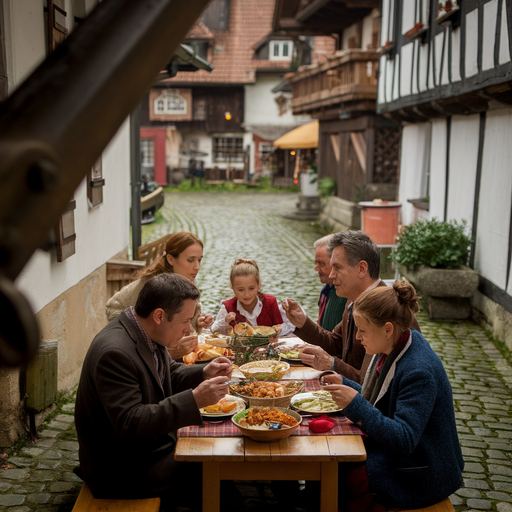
348, 79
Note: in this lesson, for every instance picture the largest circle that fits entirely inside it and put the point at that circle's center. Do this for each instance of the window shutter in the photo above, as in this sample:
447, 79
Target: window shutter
57, 30
65, 233
95, 183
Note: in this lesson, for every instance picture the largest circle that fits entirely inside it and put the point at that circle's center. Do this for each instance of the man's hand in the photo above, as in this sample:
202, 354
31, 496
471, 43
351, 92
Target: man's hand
219, 367
204, 321
294, 312
187, 344
316, 357
341, 394
210, 391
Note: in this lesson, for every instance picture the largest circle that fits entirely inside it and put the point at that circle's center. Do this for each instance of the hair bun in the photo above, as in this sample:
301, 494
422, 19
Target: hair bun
406, 295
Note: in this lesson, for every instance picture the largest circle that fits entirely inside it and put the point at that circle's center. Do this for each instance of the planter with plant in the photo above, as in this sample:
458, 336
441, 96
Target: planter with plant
433, 256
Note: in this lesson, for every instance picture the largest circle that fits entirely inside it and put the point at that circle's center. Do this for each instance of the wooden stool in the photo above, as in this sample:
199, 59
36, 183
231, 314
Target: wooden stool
86, 502
442, 506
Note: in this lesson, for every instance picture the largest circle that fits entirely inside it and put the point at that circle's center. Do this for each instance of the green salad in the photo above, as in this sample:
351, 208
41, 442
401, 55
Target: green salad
321, 402
290, 354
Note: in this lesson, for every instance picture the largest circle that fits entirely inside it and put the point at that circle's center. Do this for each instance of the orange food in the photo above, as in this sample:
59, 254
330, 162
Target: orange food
228, 407
213, 408
258, 415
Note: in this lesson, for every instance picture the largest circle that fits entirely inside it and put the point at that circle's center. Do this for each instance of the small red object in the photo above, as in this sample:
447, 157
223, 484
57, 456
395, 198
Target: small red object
321, 424
232, 323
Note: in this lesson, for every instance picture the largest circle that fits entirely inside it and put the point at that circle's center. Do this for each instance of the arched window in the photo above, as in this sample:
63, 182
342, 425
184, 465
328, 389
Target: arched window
170, 102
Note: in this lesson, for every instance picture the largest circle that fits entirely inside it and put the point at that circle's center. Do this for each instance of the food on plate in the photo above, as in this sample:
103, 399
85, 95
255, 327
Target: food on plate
320, 401
267, 389
245, 329
226, 406
292, 352
216, 339
258, 416
205, 352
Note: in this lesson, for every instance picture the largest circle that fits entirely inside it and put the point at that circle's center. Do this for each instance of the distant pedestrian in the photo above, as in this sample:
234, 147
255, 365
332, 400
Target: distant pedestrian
200, 173
192, 171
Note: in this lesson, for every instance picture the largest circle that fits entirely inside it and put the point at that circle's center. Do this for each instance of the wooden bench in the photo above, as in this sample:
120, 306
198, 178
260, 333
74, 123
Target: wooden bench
86, 502
442, 506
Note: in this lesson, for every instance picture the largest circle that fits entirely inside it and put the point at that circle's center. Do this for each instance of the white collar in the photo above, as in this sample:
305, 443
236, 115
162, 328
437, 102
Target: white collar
255, 312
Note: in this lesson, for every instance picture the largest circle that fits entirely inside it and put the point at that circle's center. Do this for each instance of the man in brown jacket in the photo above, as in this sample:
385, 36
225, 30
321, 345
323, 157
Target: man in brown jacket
132, 397
355, 262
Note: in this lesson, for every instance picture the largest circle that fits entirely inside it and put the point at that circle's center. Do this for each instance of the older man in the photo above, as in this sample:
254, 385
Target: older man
355, 262
132, 397
330, 305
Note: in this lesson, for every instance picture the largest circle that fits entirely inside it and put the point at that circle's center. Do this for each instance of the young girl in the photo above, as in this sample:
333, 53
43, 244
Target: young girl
249, 304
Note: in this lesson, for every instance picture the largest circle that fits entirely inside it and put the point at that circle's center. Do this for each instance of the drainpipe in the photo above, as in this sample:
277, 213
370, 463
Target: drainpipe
136, 214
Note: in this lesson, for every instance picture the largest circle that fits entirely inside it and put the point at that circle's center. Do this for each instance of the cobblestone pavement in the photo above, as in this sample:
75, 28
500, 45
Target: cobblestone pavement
39, 475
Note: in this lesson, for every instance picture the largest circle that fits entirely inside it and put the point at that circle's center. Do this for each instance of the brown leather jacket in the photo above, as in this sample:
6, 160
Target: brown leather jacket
351, 360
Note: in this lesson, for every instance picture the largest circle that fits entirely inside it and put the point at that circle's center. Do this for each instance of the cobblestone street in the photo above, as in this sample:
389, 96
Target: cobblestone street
247, 224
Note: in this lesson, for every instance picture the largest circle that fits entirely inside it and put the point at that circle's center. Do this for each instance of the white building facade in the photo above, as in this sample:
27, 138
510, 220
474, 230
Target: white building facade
446, 74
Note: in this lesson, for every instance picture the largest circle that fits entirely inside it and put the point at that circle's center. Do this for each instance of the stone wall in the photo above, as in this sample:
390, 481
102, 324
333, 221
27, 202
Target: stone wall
73, 319
339, 214
493, 317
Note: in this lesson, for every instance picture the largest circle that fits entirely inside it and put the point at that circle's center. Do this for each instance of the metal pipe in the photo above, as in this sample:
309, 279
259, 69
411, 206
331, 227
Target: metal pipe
136, 214
55, 125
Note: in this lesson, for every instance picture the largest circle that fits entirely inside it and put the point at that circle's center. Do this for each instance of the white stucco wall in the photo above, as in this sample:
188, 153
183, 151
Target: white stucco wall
260, 107
463, 162
493, 228
414, 163
101, 233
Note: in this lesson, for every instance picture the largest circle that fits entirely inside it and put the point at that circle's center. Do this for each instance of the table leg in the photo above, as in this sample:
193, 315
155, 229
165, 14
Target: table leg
329, 487
211, 486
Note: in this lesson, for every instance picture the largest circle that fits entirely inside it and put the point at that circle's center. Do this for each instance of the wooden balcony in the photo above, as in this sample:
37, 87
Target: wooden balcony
347, 82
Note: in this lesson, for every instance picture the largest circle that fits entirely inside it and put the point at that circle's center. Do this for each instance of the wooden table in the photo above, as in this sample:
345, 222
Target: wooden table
293, 458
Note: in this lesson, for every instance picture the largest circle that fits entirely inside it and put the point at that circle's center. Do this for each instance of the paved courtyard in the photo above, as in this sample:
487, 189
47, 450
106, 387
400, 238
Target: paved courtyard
232, 225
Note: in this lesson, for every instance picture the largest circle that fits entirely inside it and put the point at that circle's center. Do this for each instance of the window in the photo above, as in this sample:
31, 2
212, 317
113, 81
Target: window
147, 157
280, 50
199, 110
95, 184
170, 103
200, 48
65, 231
228, 149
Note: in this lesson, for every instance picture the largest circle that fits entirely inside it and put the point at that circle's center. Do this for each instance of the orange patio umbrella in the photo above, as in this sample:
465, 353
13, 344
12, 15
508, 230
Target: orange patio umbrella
303, 137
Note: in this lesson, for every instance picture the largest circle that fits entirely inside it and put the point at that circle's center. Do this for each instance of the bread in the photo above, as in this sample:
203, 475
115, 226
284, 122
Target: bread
205, 352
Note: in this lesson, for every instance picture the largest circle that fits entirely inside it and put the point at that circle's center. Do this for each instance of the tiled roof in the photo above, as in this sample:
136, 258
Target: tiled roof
200, 31
233, 50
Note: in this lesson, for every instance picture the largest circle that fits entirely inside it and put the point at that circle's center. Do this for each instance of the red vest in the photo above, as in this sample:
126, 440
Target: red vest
269, 315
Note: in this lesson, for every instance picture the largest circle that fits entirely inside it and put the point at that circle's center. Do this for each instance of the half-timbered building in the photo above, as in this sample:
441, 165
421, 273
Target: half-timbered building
357, 148
446, 75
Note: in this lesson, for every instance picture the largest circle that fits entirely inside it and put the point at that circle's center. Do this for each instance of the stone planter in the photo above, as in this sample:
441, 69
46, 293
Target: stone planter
448, 291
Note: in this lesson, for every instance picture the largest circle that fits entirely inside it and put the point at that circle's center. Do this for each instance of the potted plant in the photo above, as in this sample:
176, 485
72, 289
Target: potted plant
433, 256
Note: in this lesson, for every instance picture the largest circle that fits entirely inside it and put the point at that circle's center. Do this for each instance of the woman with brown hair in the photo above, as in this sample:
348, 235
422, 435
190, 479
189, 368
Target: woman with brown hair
183, 255
404, 406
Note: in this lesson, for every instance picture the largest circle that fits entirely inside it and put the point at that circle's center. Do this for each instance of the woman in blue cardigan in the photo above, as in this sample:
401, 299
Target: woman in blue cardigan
404, 406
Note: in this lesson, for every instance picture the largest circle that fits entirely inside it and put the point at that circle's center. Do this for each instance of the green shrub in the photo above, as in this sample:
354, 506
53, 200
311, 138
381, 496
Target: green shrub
434, 243
326, 186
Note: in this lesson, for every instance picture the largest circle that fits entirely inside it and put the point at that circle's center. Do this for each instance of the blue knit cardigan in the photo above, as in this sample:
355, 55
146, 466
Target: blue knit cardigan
413, 453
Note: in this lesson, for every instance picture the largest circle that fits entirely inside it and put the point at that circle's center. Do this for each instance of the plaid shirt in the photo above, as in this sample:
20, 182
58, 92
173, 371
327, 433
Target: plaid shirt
155, 348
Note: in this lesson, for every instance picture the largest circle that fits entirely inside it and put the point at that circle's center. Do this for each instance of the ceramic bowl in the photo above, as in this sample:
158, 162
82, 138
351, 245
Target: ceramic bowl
265, 370
294, 387
268, 435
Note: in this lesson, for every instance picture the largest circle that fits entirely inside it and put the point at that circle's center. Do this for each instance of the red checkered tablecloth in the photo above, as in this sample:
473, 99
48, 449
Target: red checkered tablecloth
227, 428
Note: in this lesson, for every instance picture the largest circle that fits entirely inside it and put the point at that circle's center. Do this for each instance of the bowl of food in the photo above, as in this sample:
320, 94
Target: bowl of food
267, 423
264, 393
265, 370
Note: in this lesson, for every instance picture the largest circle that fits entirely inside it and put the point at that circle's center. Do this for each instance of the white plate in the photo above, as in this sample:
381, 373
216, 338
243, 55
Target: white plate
302, 396
240, 406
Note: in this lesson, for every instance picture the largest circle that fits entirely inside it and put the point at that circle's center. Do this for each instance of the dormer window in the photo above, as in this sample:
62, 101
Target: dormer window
170, 103
280, 50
